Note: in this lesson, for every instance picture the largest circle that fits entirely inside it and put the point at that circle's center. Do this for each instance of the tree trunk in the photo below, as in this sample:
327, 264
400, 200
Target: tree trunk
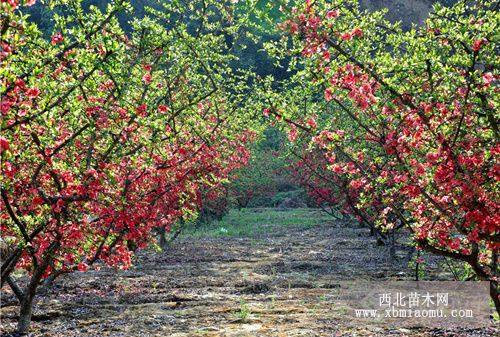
417, 266
495, 295
392, 249
162, 240
25, 313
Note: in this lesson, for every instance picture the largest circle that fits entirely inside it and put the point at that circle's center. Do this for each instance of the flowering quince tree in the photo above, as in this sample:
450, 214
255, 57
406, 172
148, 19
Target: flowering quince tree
332, 192
106, 136
409, 119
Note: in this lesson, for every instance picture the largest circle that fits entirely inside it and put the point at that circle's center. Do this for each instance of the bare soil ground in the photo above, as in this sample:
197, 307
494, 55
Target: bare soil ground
283, 283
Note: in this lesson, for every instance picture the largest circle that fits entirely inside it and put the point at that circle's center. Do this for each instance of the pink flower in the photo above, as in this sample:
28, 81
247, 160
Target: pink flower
33, 92
8, 170
386, 110
292, 134
462, 91
488, 78
346, 37
328, 94
6, 48
57, 207
147, 78
162, 108
294, 27
357, 32
337, 168
56, 38
12, 3
326, 55
476, 46
142, 110
357, 183
4, 144
82, 266
332, 14
311, 122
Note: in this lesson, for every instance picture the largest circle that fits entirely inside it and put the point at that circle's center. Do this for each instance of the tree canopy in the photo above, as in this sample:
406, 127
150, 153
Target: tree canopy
116, 123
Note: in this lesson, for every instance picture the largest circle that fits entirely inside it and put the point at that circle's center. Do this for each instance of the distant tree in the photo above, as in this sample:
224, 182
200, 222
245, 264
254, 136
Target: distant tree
266, 174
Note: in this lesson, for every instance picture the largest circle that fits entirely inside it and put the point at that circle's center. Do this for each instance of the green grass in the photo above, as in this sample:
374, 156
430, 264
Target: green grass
249, 222
244, 311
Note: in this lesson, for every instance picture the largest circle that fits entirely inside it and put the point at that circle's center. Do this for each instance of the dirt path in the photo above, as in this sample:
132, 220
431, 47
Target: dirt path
280, 284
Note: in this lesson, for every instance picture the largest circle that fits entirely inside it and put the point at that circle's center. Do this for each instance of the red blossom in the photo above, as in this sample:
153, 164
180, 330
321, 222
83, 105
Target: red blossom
292, 134
82, 266
332, 14
142, 110
328, 94
488, 78
57, 38
346, 36
311, 122
147, 78
4, 144
357, 32
33, 92
478, 44
162, 108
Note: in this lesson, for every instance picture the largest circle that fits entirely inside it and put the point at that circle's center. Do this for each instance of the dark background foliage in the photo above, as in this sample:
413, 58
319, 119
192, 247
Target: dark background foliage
409, 12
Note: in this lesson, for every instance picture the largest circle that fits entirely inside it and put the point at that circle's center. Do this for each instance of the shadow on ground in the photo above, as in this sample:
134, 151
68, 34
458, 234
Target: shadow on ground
284, 283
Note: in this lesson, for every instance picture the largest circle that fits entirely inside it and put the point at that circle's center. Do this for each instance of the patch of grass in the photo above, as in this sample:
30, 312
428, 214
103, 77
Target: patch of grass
496, 316
180, 313
342, 310
273, 301
244, 311
249, 222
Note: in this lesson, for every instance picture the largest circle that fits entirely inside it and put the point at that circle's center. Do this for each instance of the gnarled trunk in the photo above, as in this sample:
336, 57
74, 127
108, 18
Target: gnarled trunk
26, 309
